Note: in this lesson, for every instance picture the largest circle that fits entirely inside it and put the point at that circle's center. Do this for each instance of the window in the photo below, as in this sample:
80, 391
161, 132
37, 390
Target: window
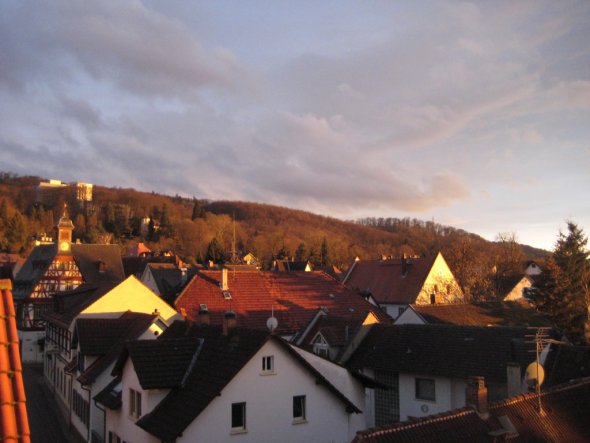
268, 364
238, 416
321, 346
134, 403
298, 408
425, 389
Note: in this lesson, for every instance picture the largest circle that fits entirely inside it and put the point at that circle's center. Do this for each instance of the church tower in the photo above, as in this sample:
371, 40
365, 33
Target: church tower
64, 233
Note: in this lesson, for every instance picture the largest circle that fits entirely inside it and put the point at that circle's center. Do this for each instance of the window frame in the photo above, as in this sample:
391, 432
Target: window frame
299, 410
268, 364
134, 403
238, 427
419, 389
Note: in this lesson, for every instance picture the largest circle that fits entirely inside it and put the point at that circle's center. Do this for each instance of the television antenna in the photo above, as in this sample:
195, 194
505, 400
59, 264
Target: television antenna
535, 374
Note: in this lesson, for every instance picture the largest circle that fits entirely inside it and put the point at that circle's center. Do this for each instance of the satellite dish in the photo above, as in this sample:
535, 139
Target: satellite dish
272, 323
535, 374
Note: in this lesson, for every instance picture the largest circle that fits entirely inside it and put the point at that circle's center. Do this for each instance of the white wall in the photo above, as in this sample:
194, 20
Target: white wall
392, 309
409, 317
269, 402
30, 350
412, 407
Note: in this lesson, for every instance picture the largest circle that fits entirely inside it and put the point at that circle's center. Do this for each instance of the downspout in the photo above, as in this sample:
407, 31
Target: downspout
104, 420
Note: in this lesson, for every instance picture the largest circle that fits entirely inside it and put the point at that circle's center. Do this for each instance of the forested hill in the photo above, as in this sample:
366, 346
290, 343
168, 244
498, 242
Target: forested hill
199, 229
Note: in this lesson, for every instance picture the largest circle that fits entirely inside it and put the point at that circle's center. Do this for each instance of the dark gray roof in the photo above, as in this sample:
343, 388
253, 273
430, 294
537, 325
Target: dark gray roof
34, 268
517, 419
128, 327
87, 258
216, 359
444, 350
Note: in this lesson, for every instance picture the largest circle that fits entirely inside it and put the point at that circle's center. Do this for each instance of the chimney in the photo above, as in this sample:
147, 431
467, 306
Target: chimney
514, 379
183, 275
476, 395
204, 318
404, 265
102, 267
229, 322
224, 285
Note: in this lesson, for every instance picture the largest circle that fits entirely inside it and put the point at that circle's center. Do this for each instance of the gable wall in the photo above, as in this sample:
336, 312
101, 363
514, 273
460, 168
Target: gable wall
517, 292
130, 295
269, 402
147, 278
441, 278
409, 317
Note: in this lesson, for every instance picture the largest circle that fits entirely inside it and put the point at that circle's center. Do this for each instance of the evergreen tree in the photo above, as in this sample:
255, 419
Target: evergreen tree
4, 218
300, 253
197, 210
215, 251
325, 259
563, 289
16, 233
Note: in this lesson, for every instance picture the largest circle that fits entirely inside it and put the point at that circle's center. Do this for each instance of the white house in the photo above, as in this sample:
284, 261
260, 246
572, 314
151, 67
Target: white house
107, 300
427, 366
242, 386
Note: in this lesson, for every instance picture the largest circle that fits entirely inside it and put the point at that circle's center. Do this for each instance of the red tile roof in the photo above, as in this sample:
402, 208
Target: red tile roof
295, 298
385, 280
517, 419
14, 421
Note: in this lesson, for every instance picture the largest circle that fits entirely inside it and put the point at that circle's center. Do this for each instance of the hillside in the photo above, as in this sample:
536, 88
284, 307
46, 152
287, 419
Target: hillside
200, 230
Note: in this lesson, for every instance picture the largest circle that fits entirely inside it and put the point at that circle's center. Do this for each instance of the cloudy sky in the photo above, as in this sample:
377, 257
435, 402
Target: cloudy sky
476, 115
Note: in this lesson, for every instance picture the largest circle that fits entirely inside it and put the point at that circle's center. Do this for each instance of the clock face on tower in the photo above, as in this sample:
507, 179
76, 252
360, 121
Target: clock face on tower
64, 246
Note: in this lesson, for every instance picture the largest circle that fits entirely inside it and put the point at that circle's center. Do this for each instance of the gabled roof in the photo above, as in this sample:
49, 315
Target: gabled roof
169, 278
14, 422
111, 396
129, 327
217, 359
292, 297
517, 419
483, 314
69, 304
96, 336
160, 364
444, 350
87, 258
386, 281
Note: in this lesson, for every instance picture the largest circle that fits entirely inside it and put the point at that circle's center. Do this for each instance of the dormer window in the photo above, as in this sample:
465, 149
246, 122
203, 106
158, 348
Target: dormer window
321, 346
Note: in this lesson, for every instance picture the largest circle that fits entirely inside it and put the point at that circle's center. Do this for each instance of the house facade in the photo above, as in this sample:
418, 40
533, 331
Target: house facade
51, 268
62, 365
428, 366
276, 393
397, 283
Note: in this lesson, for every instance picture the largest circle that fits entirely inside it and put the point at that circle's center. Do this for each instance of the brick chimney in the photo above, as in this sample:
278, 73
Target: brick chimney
229, 322
223, 283
204, 318
476, 395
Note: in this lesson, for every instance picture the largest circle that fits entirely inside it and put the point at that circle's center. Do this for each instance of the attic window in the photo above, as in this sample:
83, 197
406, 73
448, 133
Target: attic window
321, 346
226, 295
268, 364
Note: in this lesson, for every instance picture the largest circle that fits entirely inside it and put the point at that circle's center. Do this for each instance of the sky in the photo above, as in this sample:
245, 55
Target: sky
474, 115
